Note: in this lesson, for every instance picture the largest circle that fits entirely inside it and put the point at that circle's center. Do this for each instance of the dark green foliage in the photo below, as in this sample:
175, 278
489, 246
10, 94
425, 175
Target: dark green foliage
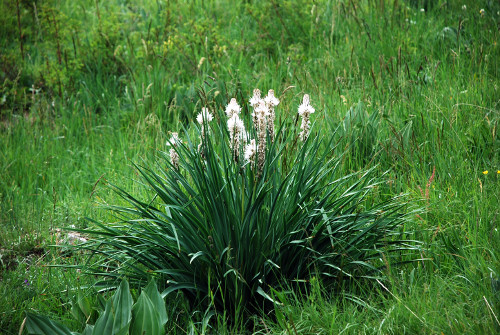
120, 316
216, 230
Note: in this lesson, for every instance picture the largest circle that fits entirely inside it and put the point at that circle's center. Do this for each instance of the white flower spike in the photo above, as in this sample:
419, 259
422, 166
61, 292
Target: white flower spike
236, 129
235, 125
254, 100
232, 108
204, 115
174, 156
305, 110
172, 142
261, 110
271, 100
250, 151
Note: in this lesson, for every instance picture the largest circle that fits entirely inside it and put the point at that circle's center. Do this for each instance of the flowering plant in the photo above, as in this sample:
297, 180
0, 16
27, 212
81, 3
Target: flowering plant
236, 210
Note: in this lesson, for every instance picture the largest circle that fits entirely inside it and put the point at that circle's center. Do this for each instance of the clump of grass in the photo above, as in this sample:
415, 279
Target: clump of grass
224, 227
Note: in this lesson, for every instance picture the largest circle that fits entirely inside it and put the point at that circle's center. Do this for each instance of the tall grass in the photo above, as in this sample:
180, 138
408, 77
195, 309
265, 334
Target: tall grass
428, 79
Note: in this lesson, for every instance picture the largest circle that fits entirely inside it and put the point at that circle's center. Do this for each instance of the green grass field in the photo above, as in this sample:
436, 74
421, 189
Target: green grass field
87, 88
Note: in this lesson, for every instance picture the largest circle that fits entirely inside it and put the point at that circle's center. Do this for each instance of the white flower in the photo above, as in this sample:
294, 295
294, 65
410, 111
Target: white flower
204, 115
305, 108
250, 151
261, 110
254, 101
271, 100
482, 12
174, 158
260, 115
464, 7
235, 126
174, 140
236, 129
232, 108
305, 126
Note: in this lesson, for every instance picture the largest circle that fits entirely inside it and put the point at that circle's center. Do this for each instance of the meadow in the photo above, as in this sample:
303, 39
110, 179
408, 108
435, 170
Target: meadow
407, 90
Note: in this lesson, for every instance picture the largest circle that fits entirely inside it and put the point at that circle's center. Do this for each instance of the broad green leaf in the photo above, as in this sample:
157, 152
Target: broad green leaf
122, 308
101, 303
157, 300
88, 330
81, 307
42, 325
104, 324
145, 318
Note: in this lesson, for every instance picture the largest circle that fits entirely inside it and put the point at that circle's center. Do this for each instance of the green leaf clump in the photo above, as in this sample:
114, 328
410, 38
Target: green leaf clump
120, 316
224, 230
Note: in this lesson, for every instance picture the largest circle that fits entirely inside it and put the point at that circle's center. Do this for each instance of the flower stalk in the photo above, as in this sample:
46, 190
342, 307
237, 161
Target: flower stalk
254, 102
232, 108
201, 118
271, 102
236, 130
250, 151
204, 117
262, 113
305, 111
174, 156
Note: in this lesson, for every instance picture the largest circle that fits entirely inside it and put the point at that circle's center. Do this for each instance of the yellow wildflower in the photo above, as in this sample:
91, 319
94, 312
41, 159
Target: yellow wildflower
485, 172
